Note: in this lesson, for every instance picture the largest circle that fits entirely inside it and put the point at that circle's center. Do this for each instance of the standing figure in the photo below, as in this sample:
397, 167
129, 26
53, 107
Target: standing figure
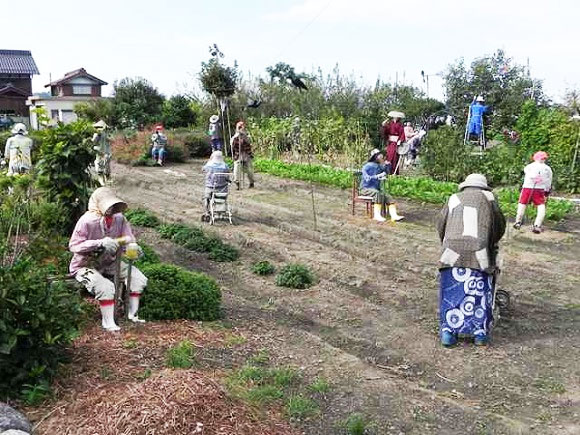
394, 135
470, 228
536, 188
95, 244
242, 153
373, 172
102, 146
17, 150
159, 142
476, 111
215, 133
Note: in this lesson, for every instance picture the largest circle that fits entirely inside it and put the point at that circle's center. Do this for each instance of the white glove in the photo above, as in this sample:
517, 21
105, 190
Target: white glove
381, 176
111, 245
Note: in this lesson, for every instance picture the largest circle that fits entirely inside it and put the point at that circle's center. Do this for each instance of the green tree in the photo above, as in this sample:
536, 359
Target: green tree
136, 103
504, 84
96, 110
177, 112
217, 79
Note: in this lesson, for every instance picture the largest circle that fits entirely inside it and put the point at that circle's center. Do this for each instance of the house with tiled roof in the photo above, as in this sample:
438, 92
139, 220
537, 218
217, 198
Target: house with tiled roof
16, 70
75, 87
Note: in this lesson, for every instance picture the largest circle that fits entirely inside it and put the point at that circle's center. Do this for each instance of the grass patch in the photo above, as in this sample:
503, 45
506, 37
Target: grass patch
262, 357
146, 374
263, 268
300, 408
181, 356
423, 189
356, 424
319, 385
549, 385
130, 343
295, 276
260, 384
264, 394
234, 340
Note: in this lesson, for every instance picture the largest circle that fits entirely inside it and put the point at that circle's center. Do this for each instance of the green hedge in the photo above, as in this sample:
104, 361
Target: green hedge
422, 189
175, 293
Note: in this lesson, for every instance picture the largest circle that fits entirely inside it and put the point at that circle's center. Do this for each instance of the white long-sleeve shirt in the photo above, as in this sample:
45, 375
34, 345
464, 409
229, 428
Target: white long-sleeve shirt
538, 175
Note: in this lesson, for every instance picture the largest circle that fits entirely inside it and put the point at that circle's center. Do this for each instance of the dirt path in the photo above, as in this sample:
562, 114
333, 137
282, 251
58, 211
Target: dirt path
370, 323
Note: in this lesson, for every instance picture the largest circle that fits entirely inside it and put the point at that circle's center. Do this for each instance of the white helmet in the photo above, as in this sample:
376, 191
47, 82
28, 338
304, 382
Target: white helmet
19, 128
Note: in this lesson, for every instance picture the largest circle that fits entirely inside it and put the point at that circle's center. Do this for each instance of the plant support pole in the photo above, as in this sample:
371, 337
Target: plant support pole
575, 151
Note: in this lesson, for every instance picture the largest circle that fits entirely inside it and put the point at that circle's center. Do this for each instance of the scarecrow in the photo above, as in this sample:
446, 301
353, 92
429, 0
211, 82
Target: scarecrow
470, 227
102, 146
17, 150
242, 153
476, 111
373, 172
393, 134
215, 133
159, 141
536, 188
100, 232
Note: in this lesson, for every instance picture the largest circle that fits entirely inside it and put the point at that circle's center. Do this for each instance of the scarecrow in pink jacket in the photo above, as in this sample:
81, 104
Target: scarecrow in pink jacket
95, 243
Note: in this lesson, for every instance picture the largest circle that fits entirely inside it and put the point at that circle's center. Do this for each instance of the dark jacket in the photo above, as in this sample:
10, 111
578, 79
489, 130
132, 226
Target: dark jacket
470, 227
241, 143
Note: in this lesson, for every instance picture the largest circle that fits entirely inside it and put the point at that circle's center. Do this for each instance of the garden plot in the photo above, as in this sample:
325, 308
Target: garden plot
370, 321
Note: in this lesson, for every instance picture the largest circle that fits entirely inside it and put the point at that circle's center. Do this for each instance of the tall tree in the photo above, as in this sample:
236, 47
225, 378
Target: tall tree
136, 103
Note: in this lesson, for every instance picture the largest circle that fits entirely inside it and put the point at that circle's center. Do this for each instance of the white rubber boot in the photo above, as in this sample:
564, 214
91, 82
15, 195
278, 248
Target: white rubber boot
108, 315
395, 217
540, 218
134, 307
377, 213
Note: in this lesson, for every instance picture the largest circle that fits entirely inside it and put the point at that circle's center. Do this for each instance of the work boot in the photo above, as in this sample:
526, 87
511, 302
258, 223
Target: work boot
517, 225
377, 215
108, 315
481, 340
395, 217
448, 339
134, 307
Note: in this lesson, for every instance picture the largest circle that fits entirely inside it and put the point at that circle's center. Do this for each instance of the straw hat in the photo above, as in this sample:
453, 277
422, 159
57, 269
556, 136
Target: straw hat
395, 114
475, 180
214, 118
100, 124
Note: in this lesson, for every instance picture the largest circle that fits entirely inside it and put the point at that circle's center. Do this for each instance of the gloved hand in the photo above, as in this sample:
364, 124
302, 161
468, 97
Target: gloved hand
2, 162
381, 176
111, 246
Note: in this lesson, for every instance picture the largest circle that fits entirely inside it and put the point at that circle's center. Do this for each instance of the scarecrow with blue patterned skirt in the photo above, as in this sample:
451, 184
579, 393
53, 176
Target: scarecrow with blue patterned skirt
470, 228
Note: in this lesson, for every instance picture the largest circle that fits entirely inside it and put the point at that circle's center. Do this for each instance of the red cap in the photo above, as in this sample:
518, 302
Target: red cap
159, 127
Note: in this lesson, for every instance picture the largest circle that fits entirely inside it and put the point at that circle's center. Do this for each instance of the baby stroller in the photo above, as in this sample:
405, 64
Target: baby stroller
216, 198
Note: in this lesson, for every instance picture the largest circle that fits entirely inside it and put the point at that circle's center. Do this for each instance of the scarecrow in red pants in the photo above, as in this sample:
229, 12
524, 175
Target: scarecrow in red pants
394, 135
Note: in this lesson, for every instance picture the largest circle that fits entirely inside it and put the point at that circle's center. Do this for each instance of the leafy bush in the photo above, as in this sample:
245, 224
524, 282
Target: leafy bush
142, 217
263, 267
295, 276
37, 319
63, 169
149, 256
197, 143
174, 293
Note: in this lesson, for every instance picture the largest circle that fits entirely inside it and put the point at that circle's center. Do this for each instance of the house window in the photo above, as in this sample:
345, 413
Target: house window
82, 89
54, 114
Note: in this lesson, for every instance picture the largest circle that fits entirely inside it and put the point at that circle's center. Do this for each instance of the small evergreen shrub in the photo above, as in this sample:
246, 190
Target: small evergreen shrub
295, 276
142, 218
175, 293
263, 267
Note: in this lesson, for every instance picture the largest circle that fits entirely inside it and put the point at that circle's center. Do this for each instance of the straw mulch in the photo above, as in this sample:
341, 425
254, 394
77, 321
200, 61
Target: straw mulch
104, 393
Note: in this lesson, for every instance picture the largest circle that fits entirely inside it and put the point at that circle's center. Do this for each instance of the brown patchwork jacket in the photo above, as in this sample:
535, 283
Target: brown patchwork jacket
470, 227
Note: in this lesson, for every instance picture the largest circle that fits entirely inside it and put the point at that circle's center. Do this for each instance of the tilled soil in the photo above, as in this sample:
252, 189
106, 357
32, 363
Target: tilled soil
370, 322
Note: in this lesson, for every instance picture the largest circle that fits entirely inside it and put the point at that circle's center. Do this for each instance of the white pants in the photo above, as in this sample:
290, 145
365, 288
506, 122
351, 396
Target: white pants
102, 288
247, 167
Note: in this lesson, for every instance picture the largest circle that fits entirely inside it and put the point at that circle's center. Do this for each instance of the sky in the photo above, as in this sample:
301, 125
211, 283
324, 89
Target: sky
165, 42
